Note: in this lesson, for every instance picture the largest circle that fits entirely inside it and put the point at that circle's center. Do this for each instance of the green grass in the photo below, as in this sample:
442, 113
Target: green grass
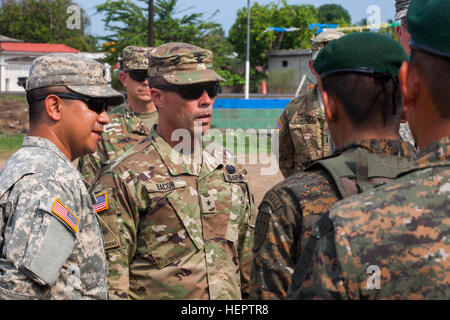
10, 142
17, 98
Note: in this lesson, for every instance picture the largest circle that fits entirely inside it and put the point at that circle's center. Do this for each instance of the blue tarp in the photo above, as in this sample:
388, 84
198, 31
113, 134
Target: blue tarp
251, 103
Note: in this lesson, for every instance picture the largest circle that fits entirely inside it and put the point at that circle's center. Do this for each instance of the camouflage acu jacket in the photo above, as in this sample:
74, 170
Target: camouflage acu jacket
289, 212
50, 239
175, 229
124, 131
392, 242
303, 134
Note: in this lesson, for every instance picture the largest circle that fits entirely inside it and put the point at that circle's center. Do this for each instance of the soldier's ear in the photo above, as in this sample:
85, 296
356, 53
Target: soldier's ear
122, 78
409, 84
156, 97
53, 106
329, 105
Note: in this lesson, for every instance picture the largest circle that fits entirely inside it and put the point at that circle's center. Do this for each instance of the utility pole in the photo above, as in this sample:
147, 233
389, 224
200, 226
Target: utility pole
247, 63
150, 41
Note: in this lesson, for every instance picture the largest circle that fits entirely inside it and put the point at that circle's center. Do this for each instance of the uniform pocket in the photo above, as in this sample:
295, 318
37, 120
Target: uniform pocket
170, 229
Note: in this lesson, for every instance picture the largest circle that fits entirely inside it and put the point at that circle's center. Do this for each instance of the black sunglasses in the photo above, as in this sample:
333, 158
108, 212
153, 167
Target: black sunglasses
97, 105
138, 75
193, 91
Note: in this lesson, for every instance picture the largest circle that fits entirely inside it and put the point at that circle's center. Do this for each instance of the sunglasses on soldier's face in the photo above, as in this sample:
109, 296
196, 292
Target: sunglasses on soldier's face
193, 91
97, 105
138, 75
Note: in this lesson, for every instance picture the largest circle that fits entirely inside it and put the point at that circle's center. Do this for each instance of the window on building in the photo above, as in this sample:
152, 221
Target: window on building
284, 63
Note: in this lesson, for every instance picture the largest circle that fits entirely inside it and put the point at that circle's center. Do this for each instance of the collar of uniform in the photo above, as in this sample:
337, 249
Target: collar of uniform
437, 154
382, 146
176, 162
133, 122
40, 142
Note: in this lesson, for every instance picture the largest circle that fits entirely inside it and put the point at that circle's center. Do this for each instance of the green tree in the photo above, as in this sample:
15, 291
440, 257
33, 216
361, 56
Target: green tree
271, 15
127, 21
44, 21
334, 14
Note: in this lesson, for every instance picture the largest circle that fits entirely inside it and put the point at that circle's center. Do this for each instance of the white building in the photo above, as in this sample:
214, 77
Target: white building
16, 57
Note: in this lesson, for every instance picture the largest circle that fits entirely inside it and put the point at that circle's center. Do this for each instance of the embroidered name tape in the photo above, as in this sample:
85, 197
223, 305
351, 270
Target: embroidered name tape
101, 202
66, 215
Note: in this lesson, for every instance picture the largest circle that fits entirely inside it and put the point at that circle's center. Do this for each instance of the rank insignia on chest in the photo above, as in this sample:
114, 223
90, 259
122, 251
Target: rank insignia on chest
101, 202
66, 215
208, 204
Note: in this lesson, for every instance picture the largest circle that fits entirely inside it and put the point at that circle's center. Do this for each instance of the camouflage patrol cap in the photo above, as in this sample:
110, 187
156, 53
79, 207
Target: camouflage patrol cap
324, 38
182, 63
401, 8
135, 58
79, 74
429, 26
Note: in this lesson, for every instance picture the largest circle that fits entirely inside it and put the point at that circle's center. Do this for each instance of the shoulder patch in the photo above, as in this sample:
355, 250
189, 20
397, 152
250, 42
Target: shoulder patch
279, 124
66, 215
101, 202
262, 223
272, 199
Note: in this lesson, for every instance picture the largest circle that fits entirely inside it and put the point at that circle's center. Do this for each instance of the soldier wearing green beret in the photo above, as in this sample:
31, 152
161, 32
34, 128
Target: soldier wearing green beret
357, 78
178, 225
130, 122
50, 239
393, 241
303, 131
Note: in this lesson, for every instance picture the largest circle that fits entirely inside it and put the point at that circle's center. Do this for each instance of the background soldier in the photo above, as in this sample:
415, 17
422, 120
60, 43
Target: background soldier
177, 228
131, 122
303, 129
356, 76
393, 242
51, 246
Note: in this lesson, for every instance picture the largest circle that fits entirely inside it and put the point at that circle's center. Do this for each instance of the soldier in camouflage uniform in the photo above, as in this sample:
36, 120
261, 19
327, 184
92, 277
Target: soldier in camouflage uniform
175, 226
369, 151
303, 128
394, 241
130, 122
50, 239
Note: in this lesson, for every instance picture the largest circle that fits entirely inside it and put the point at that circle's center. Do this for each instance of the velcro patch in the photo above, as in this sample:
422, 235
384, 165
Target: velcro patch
234, 177
273, 200
66, 215
101, 202
262, 223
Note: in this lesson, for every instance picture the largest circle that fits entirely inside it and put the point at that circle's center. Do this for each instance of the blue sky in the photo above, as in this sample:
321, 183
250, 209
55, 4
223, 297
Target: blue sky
227, 9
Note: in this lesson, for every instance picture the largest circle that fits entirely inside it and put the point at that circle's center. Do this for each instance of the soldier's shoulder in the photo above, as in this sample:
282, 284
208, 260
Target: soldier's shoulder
297, 105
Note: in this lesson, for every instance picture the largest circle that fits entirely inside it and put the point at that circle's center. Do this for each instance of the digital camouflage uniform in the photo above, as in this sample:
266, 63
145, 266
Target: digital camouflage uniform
393, 242
50, 239
402, 228
125, 128
303, 134
303, 129
289, 212
175, 229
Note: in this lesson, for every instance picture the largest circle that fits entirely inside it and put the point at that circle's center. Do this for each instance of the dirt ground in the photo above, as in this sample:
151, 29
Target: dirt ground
13, 114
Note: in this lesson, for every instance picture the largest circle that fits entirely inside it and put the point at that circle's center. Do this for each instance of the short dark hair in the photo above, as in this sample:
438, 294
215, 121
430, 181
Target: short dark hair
368, 100
36, 108
435, 71
157, 81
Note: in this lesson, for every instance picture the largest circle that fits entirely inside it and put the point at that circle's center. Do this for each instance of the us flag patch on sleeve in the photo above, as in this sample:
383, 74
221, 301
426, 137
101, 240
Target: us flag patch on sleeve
66, 215
101, 202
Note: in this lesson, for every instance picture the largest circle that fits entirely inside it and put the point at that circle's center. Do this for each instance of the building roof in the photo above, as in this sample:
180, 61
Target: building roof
8, 39
289, 52
36, 47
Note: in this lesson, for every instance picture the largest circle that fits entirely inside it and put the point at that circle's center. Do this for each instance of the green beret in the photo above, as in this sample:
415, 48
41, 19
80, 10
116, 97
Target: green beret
429, 26
363, 52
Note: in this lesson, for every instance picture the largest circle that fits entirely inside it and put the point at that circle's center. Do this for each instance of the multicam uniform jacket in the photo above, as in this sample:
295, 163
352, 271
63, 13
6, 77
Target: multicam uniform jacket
392, 242
175, 229
289, 212
124, 131
303, 134
50, 239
